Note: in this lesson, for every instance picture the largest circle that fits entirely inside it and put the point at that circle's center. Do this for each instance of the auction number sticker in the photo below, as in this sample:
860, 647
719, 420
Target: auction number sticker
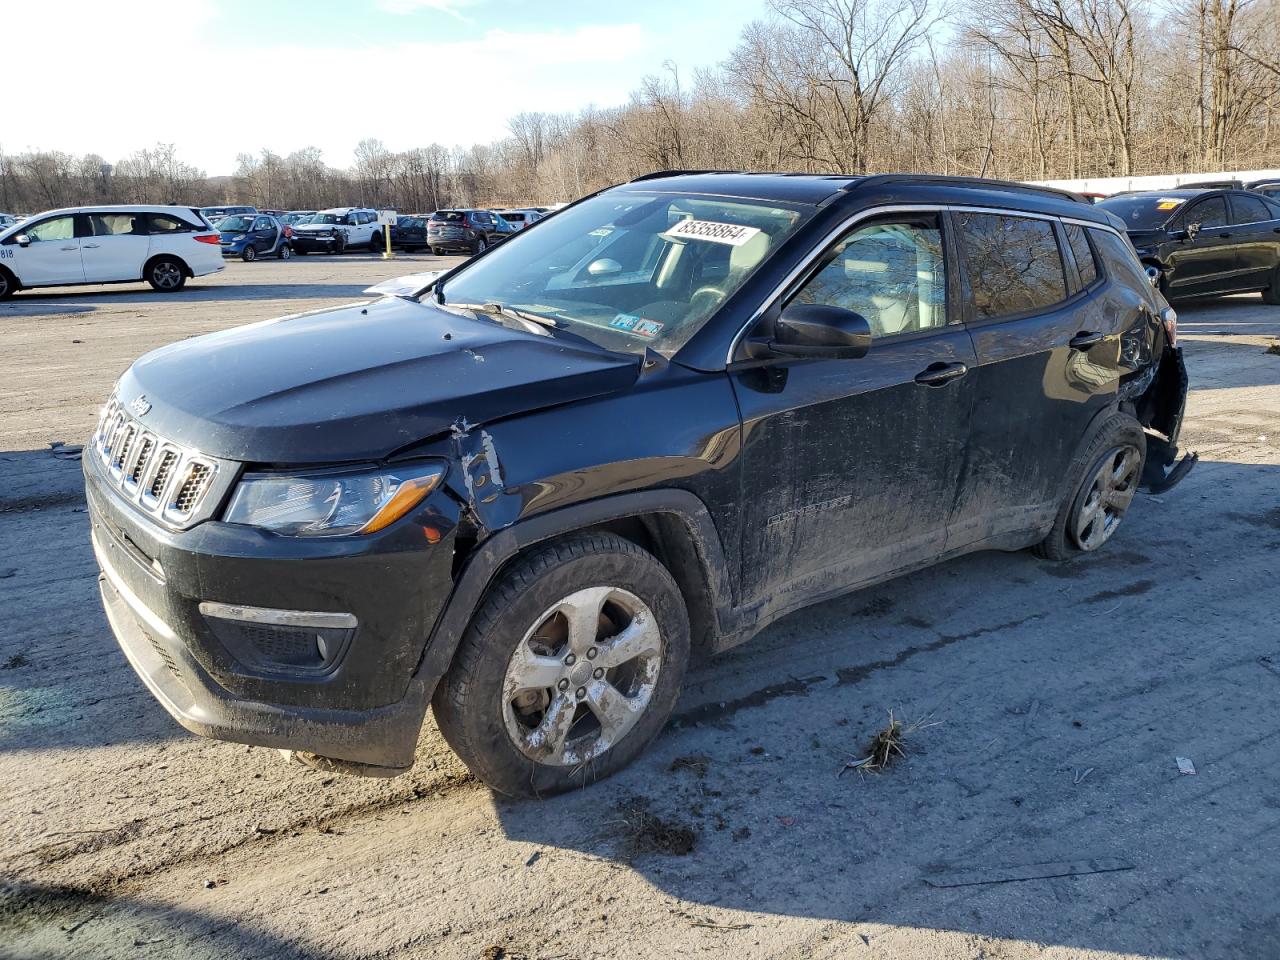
1168, 203
735, 235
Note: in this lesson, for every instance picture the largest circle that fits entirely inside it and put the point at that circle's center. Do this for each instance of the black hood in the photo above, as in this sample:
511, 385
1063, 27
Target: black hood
357, 382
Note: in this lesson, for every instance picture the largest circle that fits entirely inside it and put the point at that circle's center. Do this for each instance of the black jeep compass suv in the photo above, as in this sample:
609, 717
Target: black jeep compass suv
641, 429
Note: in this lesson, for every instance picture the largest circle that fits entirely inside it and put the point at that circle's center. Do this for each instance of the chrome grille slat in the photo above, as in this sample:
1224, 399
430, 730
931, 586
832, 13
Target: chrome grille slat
161, 477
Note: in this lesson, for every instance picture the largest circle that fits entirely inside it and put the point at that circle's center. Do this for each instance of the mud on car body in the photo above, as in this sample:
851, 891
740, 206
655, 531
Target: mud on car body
528, 490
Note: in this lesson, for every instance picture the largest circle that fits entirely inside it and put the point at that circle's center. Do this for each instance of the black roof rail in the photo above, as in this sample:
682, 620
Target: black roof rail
877, 179
660, 174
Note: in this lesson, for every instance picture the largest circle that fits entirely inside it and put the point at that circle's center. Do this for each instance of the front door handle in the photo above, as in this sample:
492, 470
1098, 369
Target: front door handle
85, 246
1086, 340
936, 374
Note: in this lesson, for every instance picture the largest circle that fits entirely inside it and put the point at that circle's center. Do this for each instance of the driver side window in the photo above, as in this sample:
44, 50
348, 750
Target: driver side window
59, 228
1208, 213
891, 272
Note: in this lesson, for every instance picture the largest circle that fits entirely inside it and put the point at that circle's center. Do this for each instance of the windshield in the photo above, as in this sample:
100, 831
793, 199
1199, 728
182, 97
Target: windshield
1145, 212
632, 270
329, 218
229, 224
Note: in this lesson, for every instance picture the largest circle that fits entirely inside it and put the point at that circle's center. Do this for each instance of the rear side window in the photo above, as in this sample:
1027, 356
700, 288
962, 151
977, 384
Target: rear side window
163, 223
893, 273
1248, 210
1013, 263
117, 224
1083, 254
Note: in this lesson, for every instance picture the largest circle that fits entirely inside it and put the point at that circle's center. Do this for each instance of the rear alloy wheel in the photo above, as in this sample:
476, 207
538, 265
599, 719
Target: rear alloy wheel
250, 254
479, 246
572, 665
166, 275
1106, 497
285, 251
1110, 469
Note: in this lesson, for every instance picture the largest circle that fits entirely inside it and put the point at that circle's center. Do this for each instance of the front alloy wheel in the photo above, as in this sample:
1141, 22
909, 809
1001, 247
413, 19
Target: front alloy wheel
1107, 497
250, 254
582, 676
568, 669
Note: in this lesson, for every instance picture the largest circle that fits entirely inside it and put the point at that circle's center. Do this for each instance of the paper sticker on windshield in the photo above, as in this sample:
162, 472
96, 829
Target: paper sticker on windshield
625, 321
637, 325
1168, 203
731, 233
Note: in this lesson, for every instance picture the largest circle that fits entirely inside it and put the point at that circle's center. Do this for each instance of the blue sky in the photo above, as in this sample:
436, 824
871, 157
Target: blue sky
221, 77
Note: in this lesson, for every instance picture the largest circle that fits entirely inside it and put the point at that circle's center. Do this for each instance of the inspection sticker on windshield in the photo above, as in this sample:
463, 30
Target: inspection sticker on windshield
731, 233
636, 325
1168, 203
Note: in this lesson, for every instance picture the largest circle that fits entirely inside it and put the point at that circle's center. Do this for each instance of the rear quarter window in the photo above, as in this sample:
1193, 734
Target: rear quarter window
1121, 260
1013, 264
1083, 253
163, 223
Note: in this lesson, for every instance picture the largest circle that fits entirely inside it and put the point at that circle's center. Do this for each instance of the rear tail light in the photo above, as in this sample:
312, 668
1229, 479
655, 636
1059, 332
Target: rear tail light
208, 238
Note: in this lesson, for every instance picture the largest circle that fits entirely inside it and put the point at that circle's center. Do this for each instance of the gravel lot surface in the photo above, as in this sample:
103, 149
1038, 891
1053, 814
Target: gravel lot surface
1055, 700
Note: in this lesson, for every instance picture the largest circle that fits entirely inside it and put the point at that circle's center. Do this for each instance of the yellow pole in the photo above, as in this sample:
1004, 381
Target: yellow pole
386, 233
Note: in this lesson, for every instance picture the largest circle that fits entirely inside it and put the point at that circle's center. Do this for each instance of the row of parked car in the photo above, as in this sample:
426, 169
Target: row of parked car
250, 233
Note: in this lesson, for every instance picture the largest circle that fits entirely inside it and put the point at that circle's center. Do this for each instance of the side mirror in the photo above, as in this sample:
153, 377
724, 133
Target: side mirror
817, 330
1192, 230
22, 240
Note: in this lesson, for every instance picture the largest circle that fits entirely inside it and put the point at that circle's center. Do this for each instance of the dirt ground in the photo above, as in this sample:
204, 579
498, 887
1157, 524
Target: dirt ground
1059, 697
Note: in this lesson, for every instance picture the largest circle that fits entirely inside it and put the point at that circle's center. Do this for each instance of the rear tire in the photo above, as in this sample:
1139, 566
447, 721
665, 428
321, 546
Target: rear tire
166, 274
479, 246
535, 705
437, 252
1271, 295
285, 251
1107, 473
8, 284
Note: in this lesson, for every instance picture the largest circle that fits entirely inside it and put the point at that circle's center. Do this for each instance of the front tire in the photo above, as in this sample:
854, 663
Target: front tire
249, 254
570, 667
8, 284
339, 245
375, 243
1108, 472
166, 274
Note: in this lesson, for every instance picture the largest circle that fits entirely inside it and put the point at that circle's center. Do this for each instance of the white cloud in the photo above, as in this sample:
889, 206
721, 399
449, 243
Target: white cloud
405, 94
451, 7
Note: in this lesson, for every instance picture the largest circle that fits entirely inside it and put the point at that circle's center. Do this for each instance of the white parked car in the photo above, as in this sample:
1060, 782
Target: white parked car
332, 231
161, 245
7, 220
520, 217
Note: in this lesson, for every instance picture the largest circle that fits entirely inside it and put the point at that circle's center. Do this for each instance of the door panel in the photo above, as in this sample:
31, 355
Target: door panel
851, 466
118, 248
1036, 396
1257, 236
52, 257
1209, 263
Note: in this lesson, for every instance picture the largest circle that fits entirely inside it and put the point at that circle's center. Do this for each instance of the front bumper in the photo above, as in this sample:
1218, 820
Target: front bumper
366, 708
307, 242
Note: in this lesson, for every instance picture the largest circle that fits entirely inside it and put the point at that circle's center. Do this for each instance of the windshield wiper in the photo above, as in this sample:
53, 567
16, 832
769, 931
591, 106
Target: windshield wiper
533, 322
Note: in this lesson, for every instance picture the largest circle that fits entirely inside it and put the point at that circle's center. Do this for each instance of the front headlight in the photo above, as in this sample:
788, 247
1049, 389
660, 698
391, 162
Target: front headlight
332, 505
237, 237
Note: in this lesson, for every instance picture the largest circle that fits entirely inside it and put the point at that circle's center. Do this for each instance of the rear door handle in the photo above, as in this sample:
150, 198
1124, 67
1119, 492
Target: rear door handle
1086, 340
85, 246
936, 374
70, 248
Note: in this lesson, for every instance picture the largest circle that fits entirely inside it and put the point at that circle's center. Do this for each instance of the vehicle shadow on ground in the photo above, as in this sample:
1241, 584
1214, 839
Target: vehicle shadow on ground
75, 915
35, 304
1060, 694
63, 680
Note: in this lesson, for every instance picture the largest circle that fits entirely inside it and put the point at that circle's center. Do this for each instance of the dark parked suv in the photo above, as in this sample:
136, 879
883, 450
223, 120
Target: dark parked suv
470, 231
1202, 243
681, 408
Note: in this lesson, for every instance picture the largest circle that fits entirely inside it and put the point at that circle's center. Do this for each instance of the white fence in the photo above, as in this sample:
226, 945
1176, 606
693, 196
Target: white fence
1161, 182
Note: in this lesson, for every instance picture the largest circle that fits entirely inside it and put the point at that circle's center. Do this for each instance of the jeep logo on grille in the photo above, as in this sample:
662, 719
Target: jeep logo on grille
140, 405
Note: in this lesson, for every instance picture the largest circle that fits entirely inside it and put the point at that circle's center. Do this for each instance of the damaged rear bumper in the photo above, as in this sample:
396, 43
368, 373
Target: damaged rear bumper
1160, 411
